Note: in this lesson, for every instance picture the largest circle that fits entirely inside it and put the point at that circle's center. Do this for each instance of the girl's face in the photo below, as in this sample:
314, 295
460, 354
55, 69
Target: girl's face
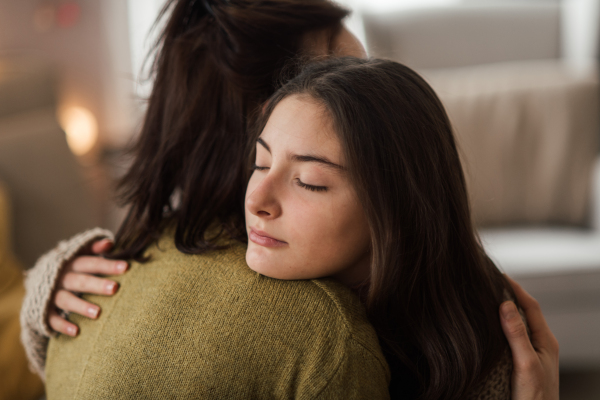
303, 216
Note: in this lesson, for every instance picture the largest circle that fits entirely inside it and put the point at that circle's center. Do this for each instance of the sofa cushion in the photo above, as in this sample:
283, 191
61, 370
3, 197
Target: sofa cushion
528, 137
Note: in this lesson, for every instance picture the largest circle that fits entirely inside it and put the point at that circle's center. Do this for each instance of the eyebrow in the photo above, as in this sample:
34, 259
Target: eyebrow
316, 159
262, 142
306, 158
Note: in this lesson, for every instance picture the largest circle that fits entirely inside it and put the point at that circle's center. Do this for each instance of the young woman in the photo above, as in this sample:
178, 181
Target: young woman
357, 177
216, 64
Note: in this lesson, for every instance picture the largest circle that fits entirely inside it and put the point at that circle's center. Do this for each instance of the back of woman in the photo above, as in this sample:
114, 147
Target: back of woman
207, 327
214, 64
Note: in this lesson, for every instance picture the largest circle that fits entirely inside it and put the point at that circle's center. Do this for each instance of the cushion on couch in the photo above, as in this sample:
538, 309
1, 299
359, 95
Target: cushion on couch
528, 136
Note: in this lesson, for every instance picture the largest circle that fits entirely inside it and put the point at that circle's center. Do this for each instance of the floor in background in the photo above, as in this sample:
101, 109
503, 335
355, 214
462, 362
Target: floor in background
580, 385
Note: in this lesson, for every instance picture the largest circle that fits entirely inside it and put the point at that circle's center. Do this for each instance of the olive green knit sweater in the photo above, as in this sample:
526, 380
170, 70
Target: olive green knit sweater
207, 327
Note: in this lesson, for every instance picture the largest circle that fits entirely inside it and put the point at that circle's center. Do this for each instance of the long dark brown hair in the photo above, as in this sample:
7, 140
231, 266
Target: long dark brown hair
216, 61
433, 294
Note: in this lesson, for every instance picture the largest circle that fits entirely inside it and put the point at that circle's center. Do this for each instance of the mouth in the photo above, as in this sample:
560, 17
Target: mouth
263, 239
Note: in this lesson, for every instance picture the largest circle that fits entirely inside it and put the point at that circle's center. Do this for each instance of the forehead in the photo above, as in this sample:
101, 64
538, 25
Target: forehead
300, 124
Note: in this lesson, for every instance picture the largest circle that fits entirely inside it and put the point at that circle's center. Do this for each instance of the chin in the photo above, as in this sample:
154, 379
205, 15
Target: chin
258, 263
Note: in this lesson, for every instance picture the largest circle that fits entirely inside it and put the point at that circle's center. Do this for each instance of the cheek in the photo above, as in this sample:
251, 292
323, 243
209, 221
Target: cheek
351, 228
326, 236
333, 234
313, 223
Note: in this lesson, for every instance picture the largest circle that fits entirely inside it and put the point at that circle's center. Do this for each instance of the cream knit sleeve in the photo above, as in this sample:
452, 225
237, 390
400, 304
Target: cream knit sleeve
40, 283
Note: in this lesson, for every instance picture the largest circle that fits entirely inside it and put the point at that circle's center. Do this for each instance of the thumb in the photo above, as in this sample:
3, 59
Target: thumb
516, 332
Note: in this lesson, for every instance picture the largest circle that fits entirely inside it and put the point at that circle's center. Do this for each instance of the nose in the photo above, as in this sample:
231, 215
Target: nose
263, 201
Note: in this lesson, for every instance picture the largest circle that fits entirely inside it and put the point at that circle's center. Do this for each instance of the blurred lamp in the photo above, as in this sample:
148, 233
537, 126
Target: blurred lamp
81, 128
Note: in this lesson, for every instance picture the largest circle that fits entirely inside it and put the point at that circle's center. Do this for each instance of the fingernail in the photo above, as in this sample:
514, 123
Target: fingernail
72, 331
122, 266
93, 312
110, 287
508, 310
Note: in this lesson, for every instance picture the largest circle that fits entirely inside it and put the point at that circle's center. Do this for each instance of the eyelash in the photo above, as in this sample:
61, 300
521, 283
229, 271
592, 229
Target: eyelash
311, 187
303, 185
257, 168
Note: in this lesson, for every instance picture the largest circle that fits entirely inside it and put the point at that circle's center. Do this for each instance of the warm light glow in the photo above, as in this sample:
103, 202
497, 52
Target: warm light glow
81, 128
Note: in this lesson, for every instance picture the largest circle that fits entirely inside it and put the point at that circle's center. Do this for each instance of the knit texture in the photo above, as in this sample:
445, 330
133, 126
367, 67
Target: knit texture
207, 327
495, 386
40, 283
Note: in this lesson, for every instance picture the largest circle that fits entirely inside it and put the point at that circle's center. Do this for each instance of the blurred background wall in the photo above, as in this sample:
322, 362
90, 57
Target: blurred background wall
519, 79
86, 42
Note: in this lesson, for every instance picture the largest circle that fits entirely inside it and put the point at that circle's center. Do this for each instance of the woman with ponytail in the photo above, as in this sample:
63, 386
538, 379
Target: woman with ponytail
190, 319
172, 329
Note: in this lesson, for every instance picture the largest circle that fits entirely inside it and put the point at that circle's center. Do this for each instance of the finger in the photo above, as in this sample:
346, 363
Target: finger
97, 265
67, 301
85, 283
102, 246
59, 324
538, 326
524, 355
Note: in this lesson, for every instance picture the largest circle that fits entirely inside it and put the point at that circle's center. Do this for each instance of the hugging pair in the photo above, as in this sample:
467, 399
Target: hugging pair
371, 282
356, 178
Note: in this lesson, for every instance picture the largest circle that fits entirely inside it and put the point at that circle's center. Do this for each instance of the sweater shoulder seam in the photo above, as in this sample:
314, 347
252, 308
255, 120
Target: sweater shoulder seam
351, 340
351, 334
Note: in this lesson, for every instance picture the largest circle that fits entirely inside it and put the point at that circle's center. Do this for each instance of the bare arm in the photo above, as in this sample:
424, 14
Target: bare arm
535, 361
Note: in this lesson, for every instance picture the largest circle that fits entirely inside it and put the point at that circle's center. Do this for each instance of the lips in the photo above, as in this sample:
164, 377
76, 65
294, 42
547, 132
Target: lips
263, 239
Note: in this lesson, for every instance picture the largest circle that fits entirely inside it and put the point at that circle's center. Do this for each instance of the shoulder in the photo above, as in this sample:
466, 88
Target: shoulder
315, 331
318, 303
274, 339
350, 312
326, 322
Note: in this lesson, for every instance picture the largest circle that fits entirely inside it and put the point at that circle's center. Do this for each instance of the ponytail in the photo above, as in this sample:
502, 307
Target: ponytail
215, 62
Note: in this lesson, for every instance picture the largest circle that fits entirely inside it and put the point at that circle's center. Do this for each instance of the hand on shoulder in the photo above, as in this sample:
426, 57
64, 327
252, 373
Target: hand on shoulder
80, 276
535, 359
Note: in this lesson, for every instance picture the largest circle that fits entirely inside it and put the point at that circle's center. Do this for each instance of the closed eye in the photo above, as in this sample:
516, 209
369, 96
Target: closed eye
257, 168
311, 187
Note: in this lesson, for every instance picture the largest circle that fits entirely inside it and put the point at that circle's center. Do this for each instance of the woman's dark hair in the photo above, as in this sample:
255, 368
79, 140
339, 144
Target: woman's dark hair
433, 295
216, 62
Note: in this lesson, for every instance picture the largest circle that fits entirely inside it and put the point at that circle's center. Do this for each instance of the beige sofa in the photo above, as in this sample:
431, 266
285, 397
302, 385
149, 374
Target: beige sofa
520, 83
